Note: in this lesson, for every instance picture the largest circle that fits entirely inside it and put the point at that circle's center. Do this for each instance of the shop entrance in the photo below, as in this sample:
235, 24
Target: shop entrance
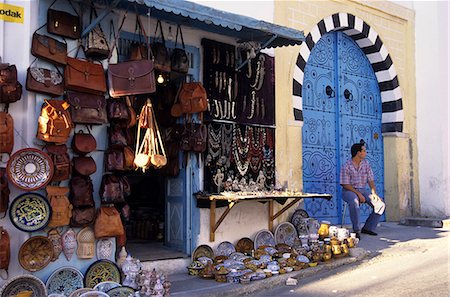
341, 106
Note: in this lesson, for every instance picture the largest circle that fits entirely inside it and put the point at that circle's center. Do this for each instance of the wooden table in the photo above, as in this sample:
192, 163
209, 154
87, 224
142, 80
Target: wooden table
234, 199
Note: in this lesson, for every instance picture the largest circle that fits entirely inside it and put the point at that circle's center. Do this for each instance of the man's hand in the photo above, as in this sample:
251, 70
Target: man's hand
361, 197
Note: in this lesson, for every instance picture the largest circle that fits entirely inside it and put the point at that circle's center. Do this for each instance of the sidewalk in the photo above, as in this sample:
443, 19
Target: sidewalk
369, 246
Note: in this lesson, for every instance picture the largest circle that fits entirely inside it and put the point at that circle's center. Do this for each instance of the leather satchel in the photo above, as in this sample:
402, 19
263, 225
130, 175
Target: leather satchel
82, 216
49, 49
96, 45
83, 143
4, 193
61, 162
55, 123
84, 165
45, 81
10, 88
160, 52
63, 24
131, 78
118, 136
193, 98
5, 251
61, 207
114, 159
179, 60
194, 138
111, 189
87, 108
108, 223
117, 110
84, 76
81, 190
6, 133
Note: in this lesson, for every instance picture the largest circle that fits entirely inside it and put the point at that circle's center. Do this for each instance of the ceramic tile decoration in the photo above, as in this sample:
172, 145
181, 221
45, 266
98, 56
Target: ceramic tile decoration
56, 240
35, 253
65, 281
225, 248
69, 243
30, 212
101, 271
22, 283
285, 233
264, 238
105, 248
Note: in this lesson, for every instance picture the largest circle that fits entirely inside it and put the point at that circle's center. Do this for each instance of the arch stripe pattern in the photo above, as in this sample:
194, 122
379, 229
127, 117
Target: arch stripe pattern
370, 43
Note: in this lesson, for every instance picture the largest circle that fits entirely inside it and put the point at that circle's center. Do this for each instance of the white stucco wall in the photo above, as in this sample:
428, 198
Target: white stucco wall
433, 107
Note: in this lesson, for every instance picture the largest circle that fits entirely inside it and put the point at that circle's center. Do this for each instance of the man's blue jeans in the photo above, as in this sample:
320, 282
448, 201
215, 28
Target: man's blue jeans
354, 208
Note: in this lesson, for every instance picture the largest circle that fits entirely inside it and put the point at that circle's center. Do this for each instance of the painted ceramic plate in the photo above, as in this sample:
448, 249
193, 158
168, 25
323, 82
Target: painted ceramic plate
264, 237
101, 271
298, 215
22, 283
30, 169
203, 250
106, 286
225, 248
94, 294
65, 281
77, 293
121, 292
30, 212
35, 253
285, 233
244, 245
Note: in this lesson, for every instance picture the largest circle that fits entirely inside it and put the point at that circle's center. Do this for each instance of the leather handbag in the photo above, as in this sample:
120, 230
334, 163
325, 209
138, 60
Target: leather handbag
45, 81
84, 76
114, 160
160, 52
131, 78
81, 190
117, 110
55, 123
4, 193
111, 189
49, 49
61, 162
83, 143
179, 61
6, 133
87, 108
193, 97
10, 88
118, 136
139, 49
63, 23
82, 216
61, 207
194, 138
5, 251
108, 222
96, 45
84, 165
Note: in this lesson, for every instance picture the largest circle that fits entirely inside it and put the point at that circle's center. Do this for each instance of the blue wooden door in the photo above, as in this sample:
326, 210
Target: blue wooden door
341, 105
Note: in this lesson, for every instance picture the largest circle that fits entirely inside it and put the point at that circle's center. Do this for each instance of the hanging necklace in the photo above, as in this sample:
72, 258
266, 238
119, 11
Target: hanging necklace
214, 142
240, 150
256, 152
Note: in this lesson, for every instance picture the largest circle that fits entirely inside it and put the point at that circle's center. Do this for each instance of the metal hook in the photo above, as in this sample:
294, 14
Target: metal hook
329, 91
348, 95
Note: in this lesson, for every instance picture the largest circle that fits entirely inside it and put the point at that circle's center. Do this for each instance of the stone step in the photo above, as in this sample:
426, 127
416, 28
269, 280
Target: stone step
425, 222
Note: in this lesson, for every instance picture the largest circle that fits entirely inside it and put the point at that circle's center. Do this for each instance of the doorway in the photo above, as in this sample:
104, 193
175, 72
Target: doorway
341, 106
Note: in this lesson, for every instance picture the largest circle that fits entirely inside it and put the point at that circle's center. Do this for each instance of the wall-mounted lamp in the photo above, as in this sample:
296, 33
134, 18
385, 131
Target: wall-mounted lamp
348, 95
160, 79
329, 91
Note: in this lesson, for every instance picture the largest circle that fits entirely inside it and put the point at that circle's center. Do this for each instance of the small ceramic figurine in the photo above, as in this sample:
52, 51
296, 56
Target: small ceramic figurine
131, 268
159, 289
167, 285
122, 257
261, 181
218, 180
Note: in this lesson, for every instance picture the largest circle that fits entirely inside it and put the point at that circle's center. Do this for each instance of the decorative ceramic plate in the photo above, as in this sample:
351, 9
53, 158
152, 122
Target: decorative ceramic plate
225, 248
244, 245
264, 237
56, 295
35, 253
203, 250
65, 281
121, 292
30, 212
30, 169
106, 286
94, 294
101, 271
77, 293
22, 283
285, 233
298, 215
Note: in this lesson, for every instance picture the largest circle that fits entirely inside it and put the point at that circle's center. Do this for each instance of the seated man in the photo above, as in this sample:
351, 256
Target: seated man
355, 175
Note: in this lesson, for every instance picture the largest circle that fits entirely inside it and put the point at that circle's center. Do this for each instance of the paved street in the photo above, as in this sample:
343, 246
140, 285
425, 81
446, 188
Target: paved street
404, 261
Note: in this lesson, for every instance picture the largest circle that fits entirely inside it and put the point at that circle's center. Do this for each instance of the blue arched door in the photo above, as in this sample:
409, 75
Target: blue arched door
341, 106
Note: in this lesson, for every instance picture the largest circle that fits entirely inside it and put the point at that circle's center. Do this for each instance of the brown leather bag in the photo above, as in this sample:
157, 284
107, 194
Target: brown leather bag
82, 216
87, 108
179, 61
84, 165
159, 49
114, 159
5, 251
193, 98
4, 193
84, 76
61, 207
81, 190
63, 24
45, 81
49, 49
10, 88
108, 222
112, 189
117, 110
83, 143
6, 133
61, 162
55, 123
194, 137
118, 135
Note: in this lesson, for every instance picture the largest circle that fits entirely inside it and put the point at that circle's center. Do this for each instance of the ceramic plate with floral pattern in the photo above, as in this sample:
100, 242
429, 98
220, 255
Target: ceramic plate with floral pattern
123, 291
225, 248
35, 253
65, 281
101, 271
264, 238
22, 283
285, 233
106, 286
30, 212
203, 250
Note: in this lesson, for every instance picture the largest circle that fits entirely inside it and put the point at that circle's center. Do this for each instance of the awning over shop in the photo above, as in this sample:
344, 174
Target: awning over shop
208, 19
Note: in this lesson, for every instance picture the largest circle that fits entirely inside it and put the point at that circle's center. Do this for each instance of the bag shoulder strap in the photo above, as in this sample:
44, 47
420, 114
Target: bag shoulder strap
181, 36
158, 24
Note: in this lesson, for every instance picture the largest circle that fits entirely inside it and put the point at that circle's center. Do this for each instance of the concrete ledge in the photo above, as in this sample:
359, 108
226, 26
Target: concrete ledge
425, 222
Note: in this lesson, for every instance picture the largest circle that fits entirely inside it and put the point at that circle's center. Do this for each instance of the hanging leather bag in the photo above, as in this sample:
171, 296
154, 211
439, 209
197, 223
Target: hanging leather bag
114, 159
63, 23
82, 216
55, 123
61, 162
6, 133
118, 136
96, 45
108, 222
81, 190
61, 207
117, 110
87, 108
84, 165
179, 61
194, 138
138, 48
10, 88
4, 193
84, 76
45, 81
83, 143
159, 49
193, 97
5, 252
49, 49
111, 189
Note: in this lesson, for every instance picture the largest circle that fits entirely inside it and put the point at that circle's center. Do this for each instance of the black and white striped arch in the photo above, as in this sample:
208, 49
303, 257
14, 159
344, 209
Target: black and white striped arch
370, 43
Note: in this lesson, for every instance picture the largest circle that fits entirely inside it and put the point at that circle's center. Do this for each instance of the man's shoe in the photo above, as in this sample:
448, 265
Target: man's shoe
358, 235
365, 231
